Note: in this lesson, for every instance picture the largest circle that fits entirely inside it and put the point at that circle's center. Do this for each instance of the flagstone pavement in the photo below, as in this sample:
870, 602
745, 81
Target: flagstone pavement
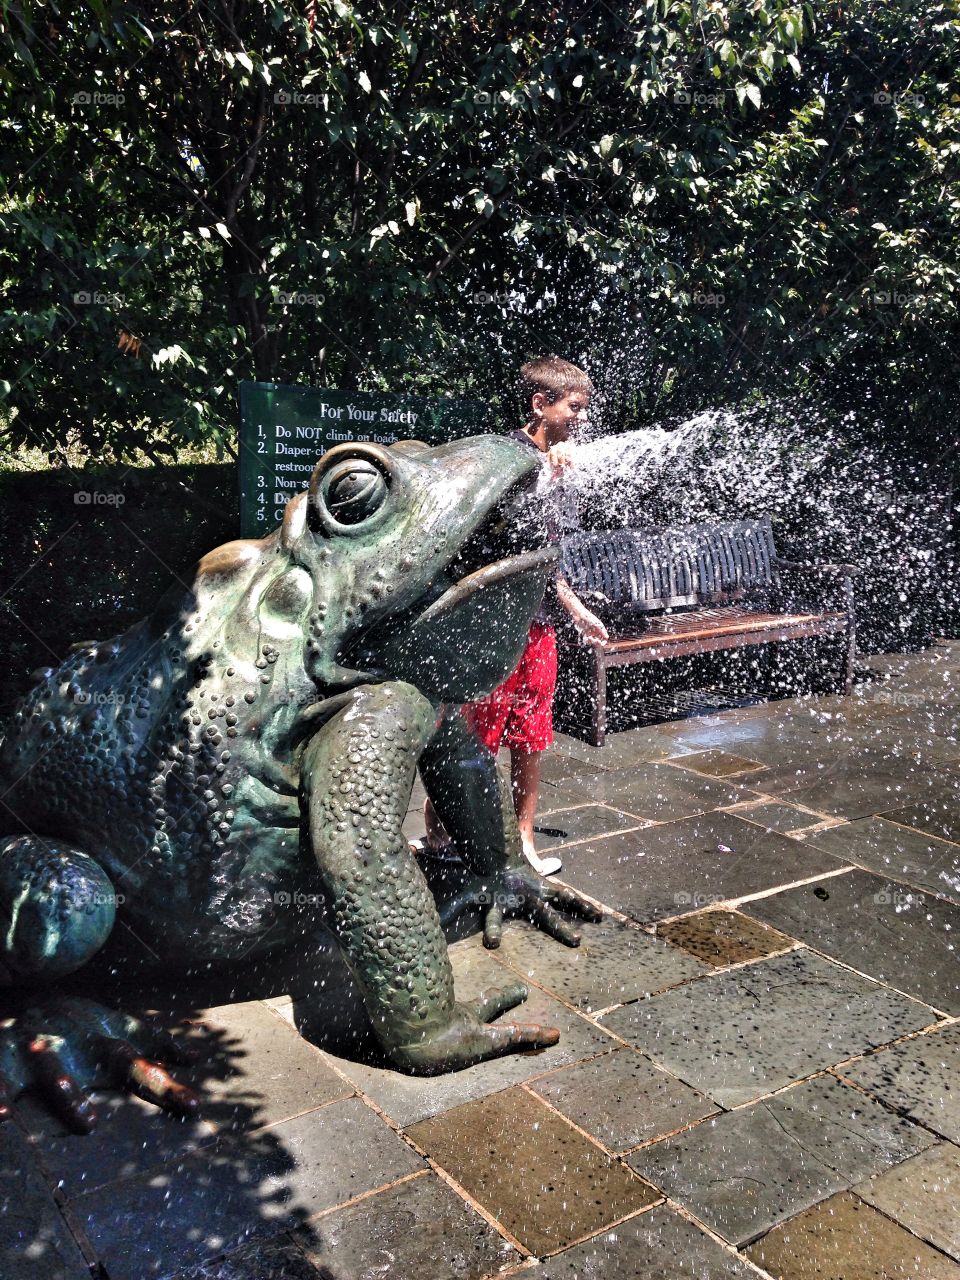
758, 1072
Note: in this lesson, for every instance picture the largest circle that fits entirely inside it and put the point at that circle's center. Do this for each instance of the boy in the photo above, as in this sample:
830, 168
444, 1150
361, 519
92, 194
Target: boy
519, 713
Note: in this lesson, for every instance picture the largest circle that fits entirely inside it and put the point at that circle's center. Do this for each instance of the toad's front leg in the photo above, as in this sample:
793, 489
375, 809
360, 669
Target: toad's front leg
357, 775
461, 778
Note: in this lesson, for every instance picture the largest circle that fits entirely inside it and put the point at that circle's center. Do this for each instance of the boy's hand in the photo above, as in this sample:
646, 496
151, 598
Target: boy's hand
589, 625
560, 458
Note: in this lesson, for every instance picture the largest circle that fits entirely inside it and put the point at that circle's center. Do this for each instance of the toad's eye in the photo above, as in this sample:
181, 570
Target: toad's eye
353, 491
349, 489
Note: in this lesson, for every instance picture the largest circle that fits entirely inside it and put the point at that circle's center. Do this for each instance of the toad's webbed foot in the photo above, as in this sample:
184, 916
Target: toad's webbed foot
65, 1048
519, 891
467, 1038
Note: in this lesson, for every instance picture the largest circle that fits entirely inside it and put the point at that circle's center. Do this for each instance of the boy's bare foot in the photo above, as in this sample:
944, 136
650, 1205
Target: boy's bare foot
548, 866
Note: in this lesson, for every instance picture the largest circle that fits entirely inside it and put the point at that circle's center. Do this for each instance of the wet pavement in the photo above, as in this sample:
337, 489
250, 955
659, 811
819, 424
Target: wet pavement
758, 1071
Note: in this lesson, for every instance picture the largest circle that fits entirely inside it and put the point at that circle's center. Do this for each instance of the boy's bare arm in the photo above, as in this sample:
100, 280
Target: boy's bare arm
560, 459
587, 623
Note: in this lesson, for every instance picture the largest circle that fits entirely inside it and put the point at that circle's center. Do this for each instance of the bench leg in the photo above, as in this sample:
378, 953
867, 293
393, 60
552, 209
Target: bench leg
850, 656
599, 729
851, 609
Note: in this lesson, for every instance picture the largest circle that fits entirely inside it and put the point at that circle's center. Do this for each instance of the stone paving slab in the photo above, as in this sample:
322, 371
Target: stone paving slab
614, 963
918, 1078
545, 1182
717, 764
277, 1075
417, 1228
937, 817
555, 767
845, 1239
277, 1259
621, 750
923, 1195
583, 823
623, 1099
736, 1035
890, 849
35, 1242
743, 1172
922, 741
852, 786
779, 816
655, 1245
678, 867
655, 792
783, 737
193, 1208
897, 935
929, 714
407, 1099
131, 1137
720, 938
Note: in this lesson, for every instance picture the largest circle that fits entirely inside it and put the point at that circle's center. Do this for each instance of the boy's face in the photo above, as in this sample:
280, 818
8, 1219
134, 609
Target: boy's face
561, 418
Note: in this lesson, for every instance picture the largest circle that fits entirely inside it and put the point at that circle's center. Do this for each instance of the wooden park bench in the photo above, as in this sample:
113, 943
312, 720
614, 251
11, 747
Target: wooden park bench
671, 592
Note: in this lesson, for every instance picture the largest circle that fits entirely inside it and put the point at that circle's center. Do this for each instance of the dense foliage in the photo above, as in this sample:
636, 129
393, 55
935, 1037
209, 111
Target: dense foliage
703, 200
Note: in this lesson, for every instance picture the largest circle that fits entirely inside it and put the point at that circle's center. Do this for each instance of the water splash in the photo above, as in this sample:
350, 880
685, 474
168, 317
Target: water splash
833, 493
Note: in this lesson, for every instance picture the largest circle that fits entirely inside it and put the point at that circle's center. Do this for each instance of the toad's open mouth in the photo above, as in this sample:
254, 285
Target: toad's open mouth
490, 575
468, 633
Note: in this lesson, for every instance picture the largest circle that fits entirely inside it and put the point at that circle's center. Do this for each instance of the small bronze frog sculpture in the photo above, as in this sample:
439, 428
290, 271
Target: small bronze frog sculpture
254, 742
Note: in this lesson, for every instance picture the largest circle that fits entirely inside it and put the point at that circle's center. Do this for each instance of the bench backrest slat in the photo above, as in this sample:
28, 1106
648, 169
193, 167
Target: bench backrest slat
646, 569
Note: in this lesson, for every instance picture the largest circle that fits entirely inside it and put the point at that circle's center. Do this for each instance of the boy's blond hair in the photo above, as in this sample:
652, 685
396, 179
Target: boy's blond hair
553, 378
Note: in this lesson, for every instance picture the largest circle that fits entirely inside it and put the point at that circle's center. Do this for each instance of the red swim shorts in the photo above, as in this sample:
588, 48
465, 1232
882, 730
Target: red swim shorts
519, 713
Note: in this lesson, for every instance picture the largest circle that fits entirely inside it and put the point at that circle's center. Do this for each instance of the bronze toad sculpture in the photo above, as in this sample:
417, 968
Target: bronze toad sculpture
253, 743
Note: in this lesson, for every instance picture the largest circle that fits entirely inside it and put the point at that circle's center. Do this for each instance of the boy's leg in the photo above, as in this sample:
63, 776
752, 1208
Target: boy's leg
525, 781
437, 837
529, 734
